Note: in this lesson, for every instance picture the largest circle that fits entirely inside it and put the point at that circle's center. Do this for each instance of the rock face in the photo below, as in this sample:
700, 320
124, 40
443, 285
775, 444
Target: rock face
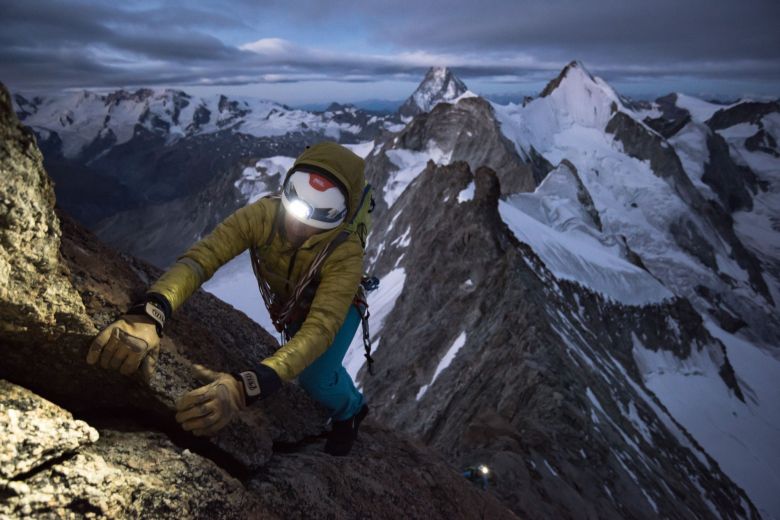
673, 118
35, 296
159, 233
734, 184
61, 468
60, 286
36, 431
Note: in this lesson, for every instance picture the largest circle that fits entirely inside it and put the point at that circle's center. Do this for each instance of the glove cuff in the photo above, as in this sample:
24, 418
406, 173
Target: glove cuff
258, 384
250, 384
155, 307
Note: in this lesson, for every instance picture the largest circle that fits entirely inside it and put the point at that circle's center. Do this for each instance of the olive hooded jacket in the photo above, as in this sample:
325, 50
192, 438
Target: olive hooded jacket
250, 227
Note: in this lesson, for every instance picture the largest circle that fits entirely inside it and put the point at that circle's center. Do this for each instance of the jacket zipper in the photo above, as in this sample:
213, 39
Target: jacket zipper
290, 268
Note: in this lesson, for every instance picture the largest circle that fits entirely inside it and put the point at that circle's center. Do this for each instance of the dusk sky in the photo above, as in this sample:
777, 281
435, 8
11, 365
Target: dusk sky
317, 51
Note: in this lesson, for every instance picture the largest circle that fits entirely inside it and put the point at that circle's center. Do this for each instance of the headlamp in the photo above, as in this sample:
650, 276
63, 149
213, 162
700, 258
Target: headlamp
300, 209
484, 469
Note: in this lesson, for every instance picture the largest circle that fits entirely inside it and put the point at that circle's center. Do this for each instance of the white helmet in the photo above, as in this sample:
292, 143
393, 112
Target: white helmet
314, 199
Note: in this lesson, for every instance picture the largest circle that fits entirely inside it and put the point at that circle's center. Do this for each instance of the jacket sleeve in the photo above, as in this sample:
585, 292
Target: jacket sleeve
339, 280
232, 236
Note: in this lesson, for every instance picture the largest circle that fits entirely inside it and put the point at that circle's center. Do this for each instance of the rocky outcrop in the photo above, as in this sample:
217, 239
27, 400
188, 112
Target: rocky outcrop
36, 298
142, 474
62, 468
59, 286
464, 131
673, 118
532, 375
734, 184
36, 432
745, 112
583, 196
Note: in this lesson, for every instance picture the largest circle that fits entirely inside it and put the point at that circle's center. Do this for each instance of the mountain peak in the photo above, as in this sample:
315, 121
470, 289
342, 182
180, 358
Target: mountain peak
573, 69
578, 96
439, 85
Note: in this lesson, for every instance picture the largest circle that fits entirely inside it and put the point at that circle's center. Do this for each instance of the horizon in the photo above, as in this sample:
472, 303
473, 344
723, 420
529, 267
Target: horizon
386, 103
316, 52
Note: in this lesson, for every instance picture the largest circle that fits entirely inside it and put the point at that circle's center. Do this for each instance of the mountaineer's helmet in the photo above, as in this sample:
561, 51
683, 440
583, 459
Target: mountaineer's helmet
314, 199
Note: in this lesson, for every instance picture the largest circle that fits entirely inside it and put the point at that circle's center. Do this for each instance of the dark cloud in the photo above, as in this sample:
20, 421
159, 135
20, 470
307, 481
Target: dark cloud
53, 44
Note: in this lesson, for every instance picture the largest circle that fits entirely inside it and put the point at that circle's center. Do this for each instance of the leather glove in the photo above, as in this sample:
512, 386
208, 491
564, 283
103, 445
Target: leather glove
127, 344
208, 409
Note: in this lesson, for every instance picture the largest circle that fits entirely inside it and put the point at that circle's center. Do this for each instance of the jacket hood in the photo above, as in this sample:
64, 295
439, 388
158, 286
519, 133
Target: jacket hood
340, 162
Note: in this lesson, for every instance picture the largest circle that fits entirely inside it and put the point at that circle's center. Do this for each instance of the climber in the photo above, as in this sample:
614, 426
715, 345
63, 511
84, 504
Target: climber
479, 475
308, 264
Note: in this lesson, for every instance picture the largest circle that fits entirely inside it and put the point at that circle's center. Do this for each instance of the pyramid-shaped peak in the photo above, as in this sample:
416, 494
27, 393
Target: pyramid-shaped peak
574, 70
438, 73
577, 96
439, 85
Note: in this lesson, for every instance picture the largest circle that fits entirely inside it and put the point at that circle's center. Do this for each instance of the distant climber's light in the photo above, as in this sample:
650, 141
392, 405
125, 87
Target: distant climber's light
300, 209
484, 469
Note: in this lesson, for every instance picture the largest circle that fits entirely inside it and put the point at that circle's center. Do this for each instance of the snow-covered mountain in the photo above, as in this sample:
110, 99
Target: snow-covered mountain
594, 314
88, 123
439, 85
132, 149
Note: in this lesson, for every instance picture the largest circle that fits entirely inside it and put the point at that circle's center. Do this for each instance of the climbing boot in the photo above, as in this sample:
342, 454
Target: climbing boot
343, 434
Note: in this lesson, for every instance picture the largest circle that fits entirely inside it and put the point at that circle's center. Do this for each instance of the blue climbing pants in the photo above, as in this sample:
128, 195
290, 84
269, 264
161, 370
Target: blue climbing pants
327, 381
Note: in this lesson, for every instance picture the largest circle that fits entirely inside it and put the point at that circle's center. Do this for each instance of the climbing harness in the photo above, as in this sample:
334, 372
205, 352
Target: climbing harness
288, 316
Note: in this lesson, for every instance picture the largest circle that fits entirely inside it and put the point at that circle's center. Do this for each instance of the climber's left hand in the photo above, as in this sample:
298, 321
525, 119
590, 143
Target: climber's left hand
206, 410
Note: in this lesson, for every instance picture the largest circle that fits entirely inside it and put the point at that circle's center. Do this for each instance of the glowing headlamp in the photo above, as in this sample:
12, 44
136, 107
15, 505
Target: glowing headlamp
483, 469
300, 209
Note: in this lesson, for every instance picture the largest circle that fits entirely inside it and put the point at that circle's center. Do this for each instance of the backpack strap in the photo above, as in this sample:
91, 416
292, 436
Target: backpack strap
313, 272
283, 315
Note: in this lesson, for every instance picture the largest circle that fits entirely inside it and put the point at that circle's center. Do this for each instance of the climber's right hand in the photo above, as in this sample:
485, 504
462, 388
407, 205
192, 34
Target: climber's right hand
130, 342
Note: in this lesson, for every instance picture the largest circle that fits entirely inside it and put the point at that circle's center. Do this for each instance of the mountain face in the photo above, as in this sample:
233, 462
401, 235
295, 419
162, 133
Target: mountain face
579, 290
150, 147
491, 358
439, 85
624, 266
80, 442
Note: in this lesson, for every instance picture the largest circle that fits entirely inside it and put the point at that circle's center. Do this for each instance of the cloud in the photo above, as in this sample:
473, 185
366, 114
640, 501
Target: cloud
54, 44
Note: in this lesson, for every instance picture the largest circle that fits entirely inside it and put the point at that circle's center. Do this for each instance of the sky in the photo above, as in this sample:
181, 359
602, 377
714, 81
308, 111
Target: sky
299, 52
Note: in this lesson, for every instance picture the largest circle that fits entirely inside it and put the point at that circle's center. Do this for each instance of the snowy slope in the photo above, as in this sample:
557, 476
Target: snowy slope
264, 178
741, 436
759, 227
632, 200
410, 164
81, 118
699, 109
552, 221
635, 203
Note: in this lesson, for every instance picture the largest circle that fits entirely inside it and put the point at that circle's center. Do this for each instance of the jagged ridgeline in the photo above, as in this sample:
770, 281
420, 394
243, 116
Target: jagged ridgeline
579, 290
78, 442
595, 318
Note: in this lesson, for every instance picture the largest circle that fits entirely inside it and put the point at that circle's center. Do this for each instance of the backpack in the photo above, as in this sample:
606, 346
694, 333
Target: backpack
287, 315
